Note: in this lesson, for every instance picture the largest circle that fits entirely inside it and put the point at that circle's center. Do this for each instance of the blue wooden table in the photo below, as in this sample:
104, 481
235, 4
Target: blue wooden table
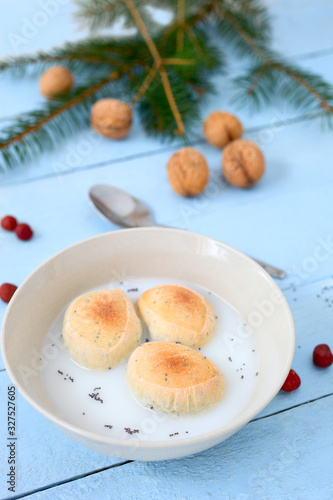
287, 451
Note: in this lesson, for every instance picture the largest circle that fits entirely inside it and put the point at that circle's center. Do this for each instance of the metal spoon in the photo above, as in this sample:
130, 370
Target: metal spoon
124, 210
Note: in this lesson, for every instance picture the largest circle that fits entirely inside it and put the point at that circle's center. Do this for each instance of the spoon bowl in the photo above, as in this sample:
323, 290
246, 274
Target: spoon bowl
120, 207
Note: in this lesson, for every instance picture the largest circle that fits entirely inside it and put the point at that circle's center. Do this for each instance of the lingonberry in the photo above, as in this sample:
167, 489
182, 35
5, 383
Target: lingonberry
23, 232
7, 290
322, 356
292, 382
8, 223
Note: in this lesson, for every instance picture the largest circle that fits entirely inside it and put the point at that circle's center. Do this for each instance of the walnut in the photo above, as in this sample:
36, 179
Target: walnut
221, 127
111, 118
243, 163
188, 172
55, 81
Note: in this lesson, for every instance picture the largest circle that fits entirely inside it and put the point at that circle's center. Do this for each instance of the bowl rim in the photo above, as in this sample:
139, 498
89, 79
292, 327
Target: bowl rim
228, 429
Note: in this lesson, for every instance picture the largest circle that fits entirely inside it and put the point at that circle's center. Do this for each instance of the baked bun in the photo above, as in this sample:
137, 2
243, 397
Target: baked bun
173, 378
101, 328
175, 313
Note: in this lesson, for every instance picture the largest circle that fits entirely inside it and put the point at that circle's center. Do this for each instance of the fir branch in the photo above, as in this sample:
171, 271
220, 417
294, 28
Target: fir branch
99, 51
172, 101
15, 63
258, 74
193, 19
145, 85
143, 30
313, 85
154, 108
238, 31
159, 63
181, 24
97, 14
165, 70
22, 140
250, 15
179, 62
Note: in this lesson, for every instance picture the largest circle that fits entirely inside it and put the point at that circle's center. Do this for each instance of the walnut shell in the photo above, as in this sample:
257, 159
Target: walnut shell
55, 81
243, 163
221, 127
111, 118
188, 172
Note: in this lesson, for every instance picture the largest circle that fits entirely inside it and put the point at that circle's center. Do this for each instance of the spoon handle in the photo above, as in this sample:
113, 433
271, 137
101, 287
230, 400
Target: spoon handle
272, 270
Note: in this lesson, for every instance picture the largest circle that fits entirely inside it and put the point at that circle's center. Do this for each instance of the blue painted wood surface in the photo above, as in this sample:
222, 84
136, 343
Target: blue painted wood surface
266, 460
287, 451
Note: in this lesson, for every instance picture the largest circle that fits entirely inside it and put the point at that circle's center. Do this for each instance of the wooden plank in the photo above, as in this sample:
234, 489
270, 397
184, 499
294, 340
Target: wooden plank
311, 306
301, 26
277, 458
34, 25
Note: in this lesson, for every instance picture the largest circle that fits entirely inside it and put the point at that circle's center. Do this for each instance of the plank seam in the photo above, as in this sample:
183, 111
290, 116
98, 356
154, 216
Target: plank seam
65, 481
310, 55
124, 159
292, 407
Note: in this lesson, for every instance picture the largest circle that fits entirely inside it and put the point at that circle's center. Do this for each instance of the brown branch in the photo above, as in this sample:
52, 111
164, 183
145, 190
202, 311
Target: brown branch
64, 107
190, 21
269, 63
181, 22
196, 88
257, 79
152, 73
178, 61
195, 42
88, 59
143, 30
323, 102
172, 102
145, 85
99, 9
158, 62
47, 58
199, 16
235, 25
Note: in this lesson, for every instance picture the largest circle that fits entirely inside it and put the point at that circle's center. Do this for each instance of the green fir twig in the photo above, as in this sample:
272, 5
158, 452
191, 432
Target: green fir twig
165, 71
29, 136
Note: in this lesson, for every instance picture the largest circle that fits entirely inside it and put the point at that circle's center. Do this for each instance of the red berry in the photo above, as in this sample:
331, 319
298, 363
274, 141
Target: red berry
292, 382
9, 223
23, 232
7, 290
322, 356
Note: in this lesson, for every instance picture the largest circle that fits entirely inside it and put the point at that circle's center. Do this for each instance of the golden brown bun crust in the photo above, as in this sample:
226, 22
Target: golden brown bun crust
176, 313
101, 328
173, 378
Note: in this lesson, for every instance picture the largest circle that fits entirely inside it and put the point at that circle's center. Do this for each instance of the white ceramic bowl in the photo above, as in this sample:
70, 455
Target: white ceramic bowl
143, 253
